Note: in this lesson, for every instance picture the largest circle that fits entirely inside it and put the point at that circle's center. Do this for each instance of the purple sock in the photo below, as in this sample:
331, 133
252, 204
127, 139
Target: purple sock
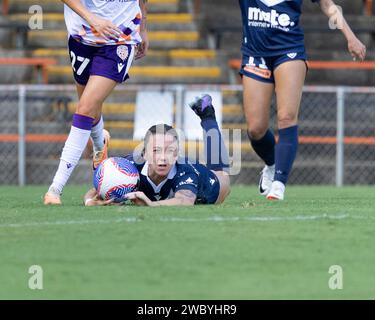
82, 122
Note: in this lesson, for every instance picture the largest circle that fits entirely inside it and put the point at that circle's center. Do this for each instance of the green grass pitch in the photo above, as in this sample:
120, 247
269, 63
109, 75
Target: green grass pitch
248, 248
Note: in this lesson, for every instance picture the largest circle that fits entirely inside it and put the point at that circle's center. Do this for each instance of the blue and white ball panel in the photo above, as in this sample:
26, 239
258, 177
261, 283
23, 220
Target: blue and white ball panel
115, 178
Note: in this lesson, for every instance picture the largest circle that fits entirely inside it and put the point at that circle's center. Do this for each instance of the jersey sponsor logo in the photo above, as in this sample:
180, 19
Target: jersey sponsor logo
292, 55
269, 19
188, 181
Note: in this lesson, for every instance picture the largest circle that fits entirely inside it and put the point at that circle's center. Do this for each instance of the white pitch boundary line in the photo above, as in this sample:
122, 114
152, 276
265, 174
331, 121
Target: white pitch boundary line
177, 219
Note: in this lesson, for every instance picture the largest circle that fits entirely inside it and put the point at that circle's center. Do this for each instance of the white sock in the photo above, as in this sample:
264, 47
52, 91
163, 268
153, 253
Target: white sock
72, 152
97, 135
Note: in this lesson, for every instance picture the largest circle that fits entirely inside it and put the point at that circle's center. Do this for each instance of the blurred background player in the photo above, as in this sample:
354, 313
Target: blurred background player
105, 36
166, 180
274, 60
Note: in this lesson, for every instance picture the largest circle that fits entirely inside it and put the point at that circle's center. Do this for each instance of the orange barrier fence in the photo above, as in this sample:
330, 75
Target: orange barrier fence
320, 65
40, 63
60, 138
5, 7
369, 5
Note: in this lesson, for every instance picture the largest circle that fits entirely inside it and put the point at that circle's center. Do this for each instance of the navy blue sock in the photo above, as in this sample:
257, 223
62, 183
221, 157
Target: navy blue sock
286, 151
217, 157
265, 147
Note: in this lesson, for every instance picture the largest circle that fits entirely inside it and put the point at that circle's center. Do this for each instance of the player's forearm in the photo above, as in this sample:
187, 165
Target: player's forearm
80, 9
174, 202
143, 5
332, 11
181, 198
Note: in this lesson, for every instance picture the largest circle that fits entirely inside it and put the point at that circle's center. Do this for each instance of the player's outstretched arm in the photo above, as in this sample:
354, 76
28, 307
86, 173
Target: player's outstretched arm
105, 28
181, 198
356, 48
91, 199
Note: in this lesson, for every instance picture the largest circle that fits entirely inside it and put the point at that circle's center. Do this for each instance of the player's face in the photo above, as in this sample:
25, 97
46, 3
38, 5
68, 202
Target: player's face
161, 153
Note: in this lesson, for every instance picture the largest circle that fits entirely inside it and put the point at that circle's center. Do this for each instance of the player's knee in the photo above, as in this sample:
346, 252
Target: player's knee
287, 120
256, 132
225, 187
90, 109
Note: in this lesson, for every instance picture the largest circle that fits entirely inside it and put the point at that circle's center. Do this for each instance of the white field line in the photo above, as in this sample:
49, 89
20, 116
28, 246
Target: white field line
178, 219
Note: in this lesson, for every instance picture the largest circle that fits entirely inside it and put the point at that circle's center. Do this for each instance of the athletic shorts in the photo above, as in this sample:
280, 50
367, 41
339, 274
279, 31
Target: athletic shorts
262, 69
111, 61
210, 190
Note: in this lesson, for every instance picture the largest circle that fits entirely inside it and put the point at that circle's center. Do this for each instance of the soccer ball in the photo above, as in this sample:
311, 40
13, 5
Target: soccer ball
115, 178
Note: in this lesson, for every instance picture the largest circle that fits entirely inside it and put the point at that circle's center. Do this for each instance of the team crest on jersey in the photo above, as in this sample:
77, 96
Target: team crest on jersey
270, 3
123, 52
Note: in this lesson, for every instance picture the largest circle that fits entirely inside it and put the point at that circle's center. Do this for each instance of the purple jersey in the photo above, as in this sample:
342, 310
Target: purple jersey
125, 14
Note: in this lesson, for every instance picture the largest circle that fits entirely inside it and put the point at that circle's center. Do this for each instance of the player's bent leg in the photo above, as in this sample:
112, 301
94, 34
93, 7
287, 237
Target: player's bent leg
99, 136
216, 153
289, 77
97, 90
80, 88
224, 181
89, 107
257, 98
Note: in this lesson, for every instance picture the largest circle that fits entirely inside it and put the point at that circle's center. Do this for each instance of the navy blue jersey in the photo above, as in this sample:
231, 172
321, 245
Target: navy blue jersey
271, 27
183, 176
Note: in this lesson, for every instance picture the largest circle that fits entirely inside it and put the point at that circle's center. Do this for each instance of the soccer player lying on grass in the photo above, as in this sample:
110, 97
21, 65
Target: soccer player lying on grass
167, 180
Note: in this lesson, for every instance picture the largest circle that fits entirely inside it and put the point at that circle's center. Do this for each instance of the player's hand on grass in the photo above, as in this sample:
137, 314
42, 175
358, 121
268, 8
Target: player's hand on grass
92, 199
105, 28
357, 49
139, 199
98, 202
142, 48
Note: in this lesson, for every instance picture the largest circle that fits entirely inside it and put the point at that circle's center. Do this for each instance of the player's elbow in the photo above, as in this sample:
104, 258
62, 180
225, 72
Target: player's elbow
188, 202
328, 6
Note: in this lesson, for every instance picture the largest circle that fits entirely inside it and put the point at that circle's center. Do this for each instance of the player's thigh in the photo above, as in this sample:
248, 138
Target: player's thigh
80, 88
289, 78
81, 57
224, 181
96, 91
257, 97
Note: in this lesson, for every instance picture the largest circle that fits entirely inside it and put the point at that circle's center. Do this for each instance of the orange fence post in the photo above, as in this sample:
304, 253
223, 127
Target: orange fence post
40, 63
197, 7
368, 7
5, 7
